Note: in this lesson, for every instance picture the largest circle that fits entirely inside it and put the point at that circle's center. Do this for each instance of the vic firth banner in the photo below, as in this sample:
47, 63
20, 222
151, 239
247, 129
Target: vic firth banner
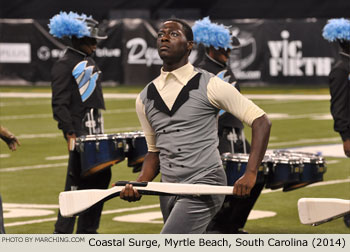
271, 51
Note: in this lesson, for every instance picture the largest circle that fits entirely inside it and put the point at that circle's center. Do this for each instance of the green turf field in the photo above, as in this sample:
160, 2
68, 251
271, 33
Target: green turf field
32, 177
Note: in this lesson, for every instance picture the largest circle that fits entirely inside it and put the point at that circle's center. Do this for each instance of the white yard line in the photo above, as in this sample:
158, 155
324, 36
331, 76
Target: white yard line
32, 116
35, 206
29, 116
312, 116
304, 141
274, 116
44, 135
57, 157
31, 167
133, 96
21, 223
48, 95
331, 182
287, 97
53, 135
24, 103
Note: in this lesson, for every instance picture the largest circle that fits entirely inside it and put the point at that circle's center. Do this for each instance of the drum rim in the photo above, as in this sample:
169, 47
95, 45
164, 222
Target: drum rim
236, 157
132, 134
97, 137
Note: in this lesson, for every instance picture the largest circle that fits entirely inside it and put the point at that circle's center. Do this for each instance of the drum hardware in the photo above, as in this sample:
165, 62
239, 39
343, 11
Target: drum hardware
80, 147
232, 137
239, 167
243, 140
309, 166
116, 145
97, 146
281, 169
135, 148
98, 152
235, 166
126, 146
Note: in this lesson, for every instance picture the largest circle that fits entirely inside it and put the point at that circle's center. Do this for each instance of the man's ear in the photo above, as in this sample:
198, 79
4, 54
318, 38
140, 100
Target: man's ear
189, 45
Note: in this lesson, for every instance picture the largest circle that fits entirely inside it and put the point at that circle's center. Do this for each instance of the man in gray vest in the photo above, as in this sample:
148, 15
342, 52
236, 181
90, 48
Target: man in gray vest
178, 113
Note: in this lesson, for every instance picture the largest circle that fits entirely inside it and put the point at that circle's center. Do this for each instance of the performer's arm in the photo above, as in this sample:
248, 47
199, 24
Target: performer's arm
61, 95
224, 96
150, 166
340, 105
260, 138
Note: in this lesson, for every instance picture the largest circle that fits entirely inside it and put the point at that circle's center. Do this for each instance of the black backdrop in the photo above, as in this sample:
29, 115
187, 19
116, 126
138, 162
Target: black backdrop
226, 9
283, 51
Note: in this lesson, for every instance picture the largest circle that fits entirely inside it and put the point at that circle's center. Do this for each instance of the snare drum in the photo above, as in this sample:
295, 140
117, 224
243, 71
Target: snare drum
98, 152
282, 170
312, 169
135, 148
235, 166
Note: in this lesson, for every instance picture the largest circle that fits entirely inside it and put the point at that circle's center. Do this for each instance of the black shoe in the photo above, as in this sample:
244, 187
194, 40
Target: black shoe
347, 220
242, 231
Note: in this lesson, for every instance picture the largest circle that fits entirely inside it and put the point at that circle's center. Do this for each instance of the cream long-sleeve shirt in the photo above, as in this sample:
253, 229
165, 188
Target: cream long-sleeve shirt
221, 94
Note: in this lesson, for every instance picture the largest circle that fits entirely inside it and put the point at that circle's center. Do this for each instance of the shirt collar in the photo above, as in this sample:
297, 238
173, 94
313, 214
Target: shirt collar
77, 51
345, 54
182, 74
215, 61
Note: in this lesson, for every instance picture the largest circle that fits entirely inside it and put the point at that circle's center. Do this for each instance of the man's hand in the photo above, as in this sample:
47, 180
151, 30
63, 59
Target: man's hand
129, 193
71, 141
346, 146
244, 184
150, 169
13, 143
9, 138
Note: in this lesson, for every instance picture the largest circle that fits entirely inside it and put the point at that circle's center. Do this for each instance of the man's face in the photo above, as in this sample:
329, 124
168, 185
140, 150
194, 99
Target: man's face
172, 43
220, 54
89, 45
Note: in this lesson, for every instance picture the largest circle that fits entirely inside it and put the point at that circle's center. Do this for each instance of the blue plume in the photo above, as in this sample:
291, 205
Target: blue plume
69, 24
338, 28
211, 34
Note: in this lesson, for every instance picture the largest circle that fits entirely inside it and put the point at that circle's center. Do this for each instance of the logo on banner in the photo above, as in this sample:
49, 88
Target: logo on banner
15, 53
140, 53
287, 59
244, 56
44, 53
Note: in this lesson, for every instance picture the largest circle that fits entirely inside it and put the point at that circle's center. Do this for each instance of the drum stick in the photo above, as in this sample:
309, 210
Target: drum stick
73, 203
316, 211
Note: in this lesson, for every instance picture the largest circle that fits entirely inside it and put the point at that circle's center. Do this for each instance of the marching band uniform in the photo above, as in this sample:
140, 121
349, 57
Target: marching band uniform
172, 111
234, 212
339, 86
339, 83
77, 101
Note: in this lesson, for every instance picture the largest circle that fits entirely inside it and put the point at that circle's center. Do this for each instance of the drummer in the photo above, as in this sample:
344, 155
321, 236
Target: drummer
234, 213
77, 102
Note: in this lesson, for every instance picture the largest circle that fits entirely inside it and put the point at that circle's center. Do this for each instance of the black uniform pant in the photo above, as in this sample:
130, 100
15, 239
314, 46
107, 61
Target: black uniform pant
235, 211
88, 222
2, 228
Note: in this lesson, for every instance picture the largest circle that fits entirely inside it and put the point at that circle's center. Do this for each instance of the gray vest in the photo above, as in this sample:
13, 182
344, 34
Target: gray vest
186, 135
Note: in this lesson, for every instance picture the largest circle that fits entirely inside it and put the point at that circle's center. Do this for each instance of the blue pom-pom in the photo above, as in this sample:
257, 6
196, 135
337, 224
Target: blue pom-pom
69, 24
211, 34
337, 29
